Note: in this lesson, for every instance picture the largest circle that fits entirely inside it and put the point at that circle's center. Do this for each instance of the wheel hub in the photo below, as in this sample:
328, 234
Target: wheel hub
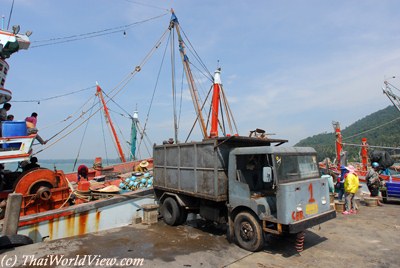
246, 231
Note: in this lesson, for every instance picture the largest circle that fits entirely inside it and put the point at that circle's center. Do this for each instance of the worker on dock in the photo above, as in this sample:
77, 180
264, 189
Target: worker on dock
350, 188
340, 182
374, 181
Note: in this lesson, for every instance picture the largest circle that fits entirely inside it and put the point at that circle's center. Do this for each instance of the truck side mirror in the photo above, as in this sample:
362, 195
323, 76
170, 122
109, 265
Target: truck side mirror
267, 174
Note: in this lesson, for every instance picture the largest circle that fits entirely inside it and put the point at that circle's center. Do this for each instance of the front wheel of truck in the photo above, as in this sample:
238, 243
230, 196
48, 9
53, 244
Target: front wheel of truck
170, 211
248, 232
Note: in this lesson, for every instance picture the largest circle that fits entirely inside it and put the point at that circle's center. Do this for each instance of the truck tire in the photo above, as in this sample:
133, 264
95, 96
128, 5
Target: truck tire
384, 196
16, 240
183, 217
171, 212
248, 232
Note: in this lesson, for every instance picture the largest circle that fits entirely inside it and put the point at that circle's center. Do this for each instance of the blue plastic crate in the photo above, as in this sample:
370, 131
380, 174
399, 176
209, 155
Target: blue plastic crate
13, 129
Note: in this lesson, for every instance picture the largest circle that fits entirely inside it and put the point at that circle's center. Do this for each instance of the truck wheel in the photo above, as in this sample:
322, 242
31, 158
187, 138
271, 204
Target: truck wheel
16, 240
248, 232
170, 211
183, 217
384, 196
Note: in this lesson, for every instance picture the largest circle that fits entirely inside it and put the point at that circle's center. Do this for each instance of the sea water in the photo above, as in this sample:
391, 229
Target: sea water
66, 165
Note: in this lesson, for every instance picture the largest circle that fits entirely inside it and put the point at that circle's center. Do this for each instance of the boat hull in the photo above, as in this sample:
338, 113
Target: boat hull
121, 210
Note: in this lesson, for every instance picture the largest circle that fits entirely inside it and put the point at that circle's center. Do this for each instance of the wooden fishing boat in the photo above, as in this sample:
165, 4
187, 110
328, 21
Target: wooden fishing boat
53, 204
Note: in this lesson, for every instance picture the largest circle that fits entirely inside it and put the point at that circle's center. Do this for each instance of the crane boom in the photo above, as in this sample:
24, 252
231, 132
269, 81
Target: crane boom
392, 97
107, 115
189, 76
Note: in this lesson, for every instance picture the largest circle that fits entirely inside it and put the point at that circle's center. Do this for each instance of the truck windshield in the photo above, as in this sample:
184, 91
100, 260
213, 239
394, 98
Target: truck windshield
296, 167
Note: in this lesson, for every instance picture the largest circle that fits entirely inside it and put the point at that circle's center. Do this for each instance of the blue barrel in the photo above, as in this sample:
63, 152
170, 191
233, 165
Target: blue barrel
13, 129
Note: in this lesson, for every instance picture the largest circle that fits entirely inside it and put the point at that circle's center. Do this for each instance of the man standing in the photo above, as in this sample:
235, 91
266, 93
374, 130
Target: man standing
373, 181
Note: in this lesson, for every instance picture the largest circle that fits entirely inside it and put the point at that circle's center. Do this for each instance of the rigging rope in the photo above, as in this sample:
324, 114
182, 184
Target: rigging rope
196, 55
154, 90
59, 40
371, 129
55, 97
173, 77
229, 112
118, 88
102, 118
138, 3
11, 11
197, 117
80, 146
372, 146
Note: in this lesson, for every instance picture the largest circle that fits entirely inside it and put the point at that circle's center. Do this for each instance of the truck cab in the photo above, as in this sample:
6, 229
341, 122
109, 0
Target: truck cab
280, 187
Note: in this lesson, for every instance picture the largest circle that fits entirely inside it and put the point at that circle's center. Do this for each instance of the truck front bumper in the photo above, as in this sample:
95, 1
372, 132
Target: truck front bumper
310, 222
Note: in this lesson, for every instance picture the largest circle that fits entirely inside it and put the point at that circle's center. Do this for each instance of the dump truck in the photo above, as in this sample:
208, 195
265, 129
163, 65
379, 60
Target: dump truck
253, 185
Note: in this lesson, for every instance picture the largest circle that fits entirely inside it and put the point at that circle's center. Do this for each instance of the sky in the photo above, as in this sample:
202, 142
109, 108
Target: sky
288, 67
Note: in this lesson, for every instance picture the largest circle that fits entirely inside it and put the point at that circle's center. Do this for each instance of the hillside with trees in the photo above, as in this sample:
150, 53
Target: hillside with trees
381, 128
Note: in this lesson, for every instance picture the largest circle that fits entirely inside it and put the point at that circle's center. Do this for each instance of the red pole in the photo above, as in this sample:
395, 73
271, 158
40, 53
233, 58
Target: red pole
215, 104
364, 153
107, 114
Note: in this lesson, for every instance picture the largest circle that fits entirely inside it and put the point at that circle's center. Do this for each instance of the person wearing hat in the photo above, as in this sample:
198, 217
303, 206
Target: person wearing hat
83, 172
374, 181
31, 165
142, 167
350, 188
340, 182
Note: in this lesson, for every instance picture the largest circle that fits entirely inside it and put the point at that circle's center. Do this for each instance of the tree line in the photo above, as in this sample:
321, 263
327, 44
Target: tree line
381, 128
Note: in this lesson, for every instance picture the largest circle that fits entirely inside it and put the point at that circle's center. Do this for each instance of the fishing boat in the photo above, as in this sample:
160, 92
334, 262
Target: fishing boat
51, 207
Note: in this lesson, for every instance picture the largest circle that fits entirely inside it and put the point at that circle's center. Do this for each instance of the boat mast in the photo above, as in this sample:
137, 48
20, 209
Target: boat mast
189, 76
134, 134
215, 103
99, 93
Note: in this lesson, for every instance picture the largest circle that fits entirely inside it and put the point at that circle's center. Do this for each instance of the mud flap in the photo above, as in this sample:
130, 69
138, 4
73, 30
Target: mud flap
230, 232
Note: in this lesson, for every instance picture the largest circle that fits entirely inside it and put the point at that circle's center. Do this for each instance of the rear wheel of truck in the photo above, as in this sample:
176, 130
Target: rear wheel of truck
248, 232
171, 212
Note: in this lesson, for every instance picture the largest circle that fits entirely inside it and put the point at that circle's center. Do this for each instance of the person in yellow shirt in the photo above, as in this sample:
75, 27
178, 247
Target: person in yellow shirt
351, 184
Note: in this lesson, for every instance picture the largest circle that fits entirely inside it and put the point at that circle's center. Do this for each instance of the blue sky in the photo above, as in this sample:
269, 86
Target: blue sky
289, 67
